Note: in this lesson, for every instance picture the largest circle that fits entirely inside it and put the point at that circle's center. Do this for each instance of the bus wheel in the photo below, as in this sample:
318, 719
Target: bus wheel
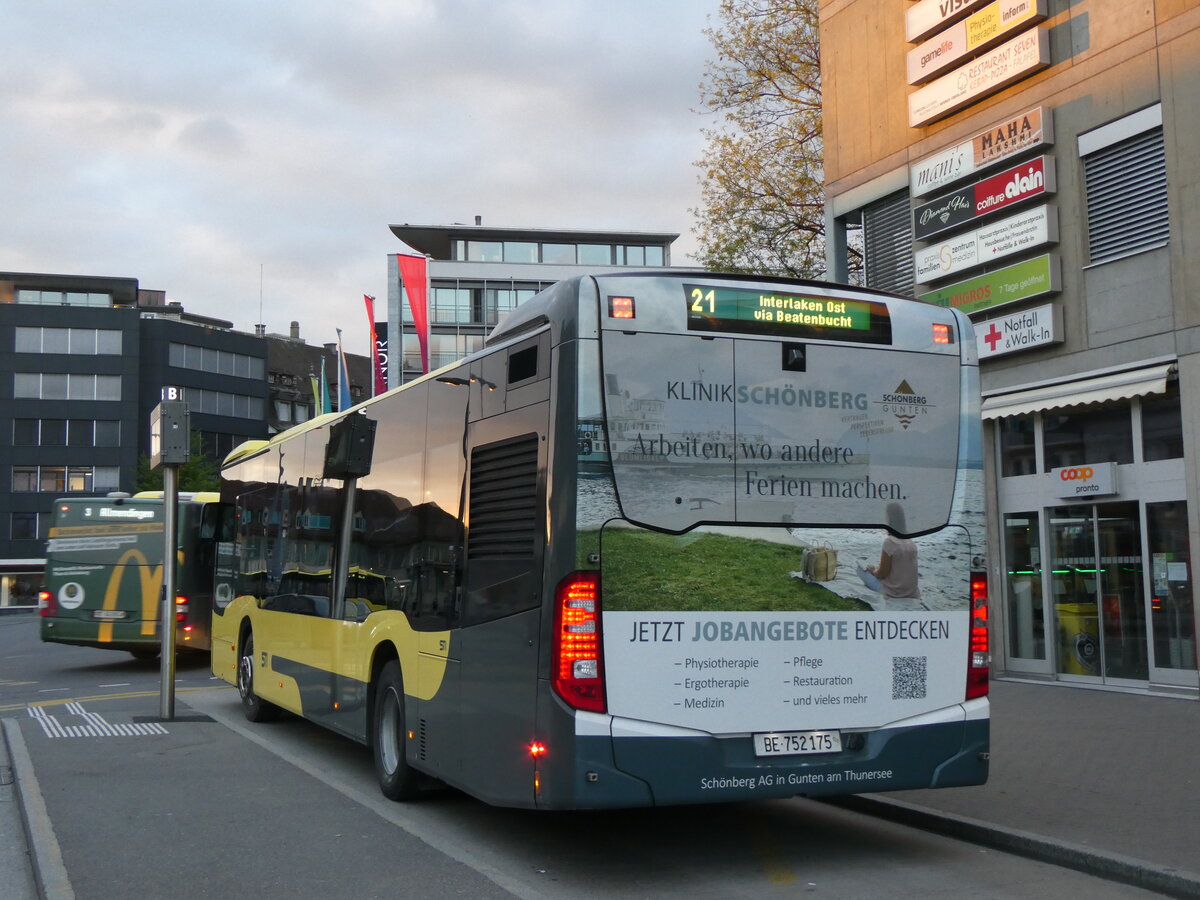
396, 779
254, 707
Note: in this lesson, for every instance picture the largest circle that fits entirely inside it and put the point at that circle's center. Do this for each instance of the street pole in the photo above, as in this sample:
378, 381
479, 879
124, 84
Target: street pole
166, 706
170, 447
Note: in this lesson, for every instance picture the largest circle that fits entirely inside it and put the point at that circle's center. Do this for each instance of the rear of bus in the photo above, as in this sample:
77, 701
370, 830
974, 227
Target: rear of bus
715, 636
104, 575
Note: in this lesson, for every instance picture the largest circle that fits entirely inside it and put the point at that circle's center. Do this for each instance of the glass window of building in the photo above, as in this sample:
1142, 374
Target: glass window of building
54, 386
1017, 446
56, 340
54, 433
81, 387
654, 256
79, 478
27, 340
106, 478
23, 526
283, 410
561, 254
1091, 435
485, 251
1023, 562
631, 256
107, 433
1171, 617
83, 341
1162, 425
79, 433
26, 432
888, 237
521, 251
108, 387
27, 385
108, 342
595, 254
52, 479
24, 479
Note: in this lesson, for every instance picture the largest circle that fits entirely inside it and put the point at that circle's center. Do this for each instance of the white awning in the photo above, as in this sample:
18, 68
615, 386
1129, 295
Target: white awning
1102, 388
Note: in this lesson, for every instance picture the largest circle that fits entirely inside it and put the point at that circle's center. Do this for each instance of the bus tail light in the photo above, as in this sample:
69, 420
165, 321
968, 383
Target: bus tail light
181, 608
578, 670
47, 604
979, 660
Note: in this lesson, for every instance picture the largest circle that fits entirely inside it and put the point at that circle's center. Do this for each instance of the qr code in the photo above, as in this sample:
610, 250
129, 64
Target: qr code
908, 677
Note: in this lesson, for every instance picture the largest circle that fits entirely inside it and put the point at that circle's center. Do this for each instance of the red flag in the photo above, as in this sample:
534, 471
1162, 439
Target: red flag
376, 367
413, 277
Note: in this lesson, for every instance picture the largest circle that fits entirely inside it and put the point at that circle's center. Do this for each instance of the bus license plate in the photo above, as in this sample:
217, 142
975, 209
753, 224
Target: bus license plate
108, 614
793, 743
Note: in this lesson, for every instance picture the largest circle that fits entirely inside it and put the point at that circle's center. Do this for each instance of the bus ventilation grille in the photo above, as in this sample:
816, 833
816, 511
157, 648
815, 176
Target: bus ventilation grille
504, 499
422, 743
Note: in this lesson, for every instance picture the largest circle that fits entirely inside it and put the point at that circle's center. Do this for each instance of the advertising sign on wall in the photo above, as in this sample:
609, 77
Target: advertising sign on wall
977, 32
924, 18
1020, 232
1025, 131
1034, 178
1025, 280
1025, 330
1091, 480
1023, 55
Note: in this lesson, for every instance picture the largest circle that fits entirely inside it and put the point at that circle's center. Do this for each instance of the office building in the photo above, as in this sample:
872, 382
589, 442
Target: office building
1032, 163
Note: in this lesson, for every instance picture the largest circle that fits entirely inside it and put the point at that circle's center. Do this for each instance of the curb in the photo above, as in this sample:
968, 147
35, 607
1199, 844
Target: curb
45, 855
1111, 866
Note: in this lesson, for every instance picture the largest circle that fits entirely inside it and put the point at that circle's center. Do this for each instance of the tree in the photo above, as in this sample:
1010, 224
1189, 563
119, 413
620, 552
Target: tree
762, 187
199, 473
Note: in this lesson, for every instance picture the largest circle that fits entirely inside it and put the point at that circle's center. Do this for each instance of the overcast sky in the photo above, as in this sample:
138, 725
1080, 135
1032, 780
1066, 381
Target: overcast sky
195, 145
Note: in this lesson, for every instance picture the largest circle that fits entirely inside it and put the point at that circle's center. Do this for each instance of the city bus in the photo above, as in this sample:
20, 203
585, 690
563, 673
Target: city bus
104, 572
441, 575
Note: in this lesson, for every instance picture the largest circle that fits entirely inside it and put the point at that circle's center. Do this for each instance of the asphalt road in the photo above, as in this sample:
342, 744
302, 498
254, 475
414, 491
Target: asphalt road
216, 806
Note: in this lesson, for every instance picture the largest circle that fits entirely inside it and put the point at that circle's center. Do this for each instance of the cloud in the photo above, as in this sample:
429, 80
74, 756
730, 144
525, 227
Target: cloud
198, 146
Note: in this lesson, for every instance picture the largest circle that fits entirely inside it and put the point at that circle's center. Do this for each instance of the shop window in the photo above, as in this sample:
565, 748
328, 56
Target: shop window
1023, 560
1162, 426
1017, 447
1090, 435
1171, 617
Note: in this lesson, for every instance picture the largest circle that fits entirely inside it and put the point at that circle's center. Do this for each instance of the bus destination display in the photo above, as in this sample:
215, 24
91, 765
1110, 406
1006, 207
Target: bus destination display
780, 313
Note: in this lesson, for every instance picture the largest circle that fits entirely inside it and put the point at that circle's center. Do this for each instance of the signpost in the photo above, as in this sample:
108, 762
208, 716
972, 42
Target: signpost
169, 448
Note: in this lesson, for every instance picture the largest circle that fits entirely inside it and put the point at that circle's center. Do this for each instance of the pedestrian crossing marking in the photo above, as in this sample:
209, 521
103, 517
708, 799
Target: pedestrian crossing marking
89, 724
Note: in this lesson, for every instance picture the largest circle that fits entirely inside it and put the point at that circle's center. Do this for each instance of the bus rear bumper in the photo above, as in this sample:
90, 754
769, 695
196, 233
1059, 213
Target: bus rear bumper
690, 767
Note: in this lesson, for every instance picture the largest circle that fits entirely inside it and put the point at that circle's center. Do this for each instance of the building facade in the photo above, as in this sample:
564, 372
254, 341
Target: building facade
476, 274
1032, 163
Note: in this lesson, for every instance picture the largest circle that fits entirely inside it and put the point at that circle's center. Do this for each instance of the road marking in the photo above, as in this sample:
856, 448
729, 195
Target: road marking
116, 684
52, 690
123, 695
93, 725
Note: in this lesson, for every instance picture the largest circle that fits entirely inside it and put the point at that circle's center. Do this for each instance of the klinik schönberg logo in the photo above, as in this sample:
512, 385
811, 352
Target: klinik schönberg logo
905, 404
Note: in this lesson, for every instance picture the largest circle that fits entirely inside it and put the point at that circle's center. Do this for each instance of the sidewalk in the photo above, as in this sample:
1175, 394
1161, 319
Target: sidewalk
1100, 781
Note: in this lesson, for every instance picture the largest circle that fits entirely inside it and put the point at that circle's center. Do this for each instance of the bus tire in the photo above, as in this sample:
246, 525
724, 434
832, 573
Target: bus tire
254, 707
397, 780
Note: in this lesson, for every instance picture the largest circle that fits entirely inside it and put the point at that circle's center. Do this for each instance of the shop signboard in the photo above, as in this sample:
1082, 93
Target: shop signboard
1082, 482
1034, 178
1025, 330
924, 18
979, 31
994, 70
1024, 280
1015, 234
1004, 140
